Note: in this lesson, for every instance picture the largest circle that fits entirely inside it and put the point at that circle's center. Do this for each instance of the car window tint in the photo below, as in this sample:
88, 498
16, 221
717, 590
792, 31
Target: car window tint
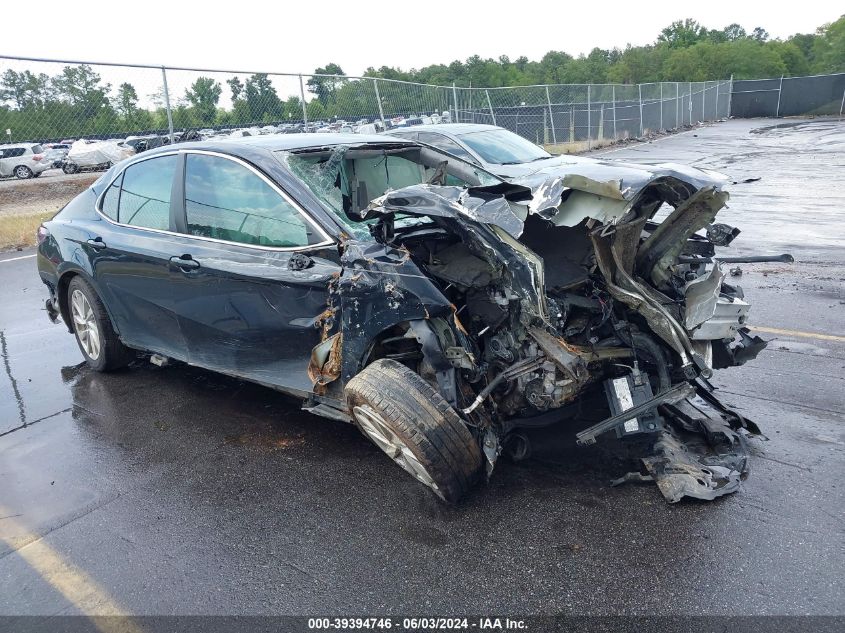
111, 198
37, 149
446, 144
225, 200
145, 195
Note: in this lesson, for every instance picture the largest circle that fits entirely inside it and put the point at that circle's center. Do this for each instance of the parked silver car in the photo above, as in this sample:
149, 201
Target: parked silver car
24, 160
496, 149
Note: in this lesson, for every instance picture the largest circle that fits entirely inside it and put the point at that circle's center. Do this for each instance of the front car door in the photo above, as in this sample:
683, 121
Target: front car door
250, 283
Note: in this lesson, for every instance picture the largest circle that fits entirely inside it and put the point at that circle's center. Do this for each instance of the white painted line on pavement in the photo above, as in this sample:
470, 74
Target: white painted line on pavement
14, 259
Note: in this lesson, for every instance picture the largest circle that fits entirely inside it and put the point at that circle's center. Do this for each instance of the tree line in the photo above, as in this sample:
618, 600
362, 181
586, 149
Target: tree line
76, 102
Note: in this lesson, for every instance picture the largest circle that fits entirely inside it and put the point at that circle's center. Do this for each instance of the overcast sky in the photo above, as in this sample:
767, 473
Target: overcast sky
300, 36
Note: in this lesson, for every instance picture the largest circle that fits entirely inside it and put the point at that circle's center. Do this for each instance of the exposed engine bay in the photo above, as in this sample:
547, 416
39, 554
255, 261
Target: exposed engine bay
569, 293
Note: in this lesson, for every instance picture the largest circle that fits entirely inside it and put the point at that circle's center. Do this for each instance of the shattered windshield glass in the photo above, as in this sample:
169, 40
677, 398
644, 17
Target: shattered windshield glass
347, 179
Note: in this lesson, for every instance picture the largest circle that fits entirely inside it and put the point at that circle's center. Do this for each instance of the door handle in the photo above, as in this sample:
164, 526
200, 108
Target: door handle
185, 262
96, 243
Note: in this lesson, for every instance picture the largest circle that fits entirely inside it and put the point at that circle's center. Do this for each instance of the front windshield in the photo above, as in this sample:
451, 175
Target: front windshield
503, 147
347, 179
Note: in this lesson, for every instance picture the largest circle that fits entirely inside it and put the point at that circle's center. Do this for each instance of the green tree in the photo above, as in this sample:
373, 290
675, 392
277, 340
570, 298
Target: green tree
324, 87
236, 86
80, 87
681, 34
261, 99
126, 102
25, 89
203, 96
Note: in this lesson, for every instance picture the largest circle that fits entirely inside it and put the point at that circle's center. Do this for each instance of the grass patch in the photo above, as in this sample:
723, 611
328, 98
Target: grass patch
18, 231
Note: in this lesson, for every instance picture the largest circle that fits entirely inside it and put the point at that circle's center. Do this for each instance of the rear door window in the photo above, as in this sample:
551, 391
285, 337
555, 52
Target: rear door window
145, 195
111, 199
227, 201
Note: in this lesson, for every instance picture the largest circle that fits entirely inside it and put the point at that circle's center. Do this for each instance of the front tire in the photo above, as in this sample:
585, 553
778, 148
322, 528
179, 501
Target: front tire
93, 330
414, 425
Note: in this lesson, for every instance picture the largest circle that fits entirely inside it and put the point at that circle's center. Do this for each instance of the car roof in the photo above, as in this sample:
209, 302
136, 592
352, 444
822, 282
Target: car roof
245, 145
276, 142
457, 129
13, 145
281, 142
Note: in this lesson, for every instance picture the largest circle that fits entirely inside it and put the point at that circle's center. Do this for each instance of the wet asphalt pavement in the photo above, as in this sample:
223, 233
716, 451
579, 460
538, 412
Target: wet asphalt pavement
177, 491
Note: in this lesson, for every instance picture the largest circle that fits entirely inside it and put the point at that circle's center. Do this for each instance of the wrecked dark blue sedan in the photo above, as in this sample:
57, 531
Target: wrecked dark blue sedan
449, 314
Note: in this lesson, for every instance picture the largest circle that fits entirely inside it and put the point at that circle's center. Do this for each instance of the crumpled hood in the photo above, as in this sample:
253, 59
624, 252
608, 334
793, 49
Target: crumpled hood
628, 179
506, 205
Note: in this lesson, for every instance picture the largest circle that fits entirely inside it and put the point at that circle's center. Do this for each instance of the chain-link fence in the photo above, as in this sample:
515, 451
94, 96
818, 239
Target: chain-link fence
50, 101
57, 102
789, 96
574, 116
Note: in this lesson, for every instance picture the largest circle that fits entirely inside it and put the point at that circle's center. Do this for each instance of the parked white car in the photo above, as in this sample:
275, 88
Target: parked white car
23, 160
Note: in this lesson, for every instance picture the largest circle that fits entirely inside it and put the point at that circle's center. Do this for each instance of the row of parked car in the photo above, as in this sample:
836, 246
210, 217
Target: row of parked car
30, 160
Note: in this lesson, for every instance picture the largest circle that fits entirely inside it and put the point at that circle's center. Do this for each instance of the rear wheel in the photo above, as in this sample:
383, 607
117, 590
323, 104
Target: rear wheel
70, 168
411, 422
94, 333
23, 172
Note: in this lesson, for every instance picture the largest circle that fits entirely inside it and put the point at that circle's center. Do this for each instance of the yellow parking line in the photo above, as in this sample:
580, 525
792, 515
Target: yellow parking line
70, 581
816, 335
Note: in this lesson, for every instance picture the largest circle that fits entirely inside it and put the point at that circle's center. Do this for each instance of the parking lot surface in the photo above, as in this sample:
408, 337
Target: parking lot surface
177, 491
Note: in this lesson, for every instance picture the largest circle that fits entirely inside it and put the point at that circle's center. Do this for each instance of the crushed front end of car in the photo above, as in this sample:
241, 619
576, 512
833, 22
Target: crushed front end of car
562, 299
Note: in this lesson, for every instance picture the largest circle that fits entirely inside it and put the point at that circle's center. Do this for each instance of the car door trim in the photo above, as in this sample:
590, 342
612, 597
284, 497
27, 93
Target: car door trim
327, 239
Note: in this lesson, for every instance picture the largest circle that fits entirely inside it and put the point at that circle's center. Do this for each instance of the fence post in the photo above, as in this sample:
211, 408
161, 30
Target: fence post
690, 103
589, 120
730, 96
661, 106
455, 97
842, 105
703, 100
640, 92
551, 115
378, 100
302, 96
780, 90
490, 105
167, 104
613, 101
677, 105
716, 116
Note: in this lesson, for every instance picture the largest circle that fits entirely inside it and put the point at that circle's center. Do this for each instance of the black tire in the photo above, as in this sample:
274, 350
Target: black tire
110, 353
23, 172
36, 174
420, 421
70, 168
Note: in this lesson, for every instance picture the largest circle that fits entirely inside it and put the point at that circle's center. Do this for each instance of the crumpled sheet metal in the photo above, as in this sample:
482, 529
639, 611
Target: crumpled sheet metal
699, 454
701, 296
618, 179
450, 202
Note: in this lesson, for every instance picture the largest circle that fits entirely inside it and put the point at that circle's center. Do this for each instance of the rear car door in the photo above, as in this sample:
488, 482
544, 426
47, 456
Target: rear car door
250, 284
130, 254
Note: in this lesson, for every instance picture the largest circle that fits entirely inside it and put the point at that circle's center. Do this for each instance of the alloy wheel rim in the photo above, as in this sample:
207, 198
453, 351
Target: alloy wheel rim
85, 325
21, 172
372, 424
